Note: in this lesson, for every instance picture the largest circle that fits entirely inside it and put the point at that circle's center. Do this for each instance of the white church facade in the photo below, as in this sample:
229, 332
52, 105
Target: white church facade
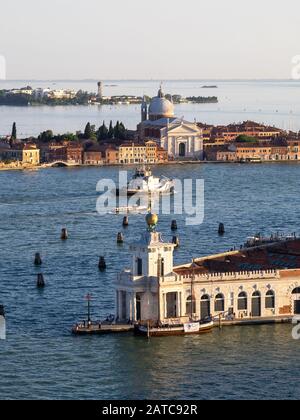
155, 290
182, 139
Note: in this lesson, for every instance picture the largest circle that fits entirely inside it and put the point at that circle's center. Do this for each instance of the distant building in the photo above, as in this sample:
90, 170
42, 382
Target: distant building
181, 139
248, 128
264, 152
23, 91
61, 94
66, 152
132, 153
111, 155
93, 155
142, 153
74, 153
293, 149
40, 93
100, 90
24, 154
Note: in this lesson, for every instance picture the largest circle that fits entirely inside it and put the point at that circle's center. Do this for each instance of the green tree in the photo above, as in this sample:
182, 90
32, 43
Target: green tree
89, 131
111, 131
46, 136
14, 132
246, 139
117, 130
102, 132
122, 131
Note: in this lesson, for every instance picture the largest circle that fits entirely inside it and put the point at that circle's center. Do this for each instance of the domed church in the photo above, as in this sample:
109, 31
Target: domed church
182, 139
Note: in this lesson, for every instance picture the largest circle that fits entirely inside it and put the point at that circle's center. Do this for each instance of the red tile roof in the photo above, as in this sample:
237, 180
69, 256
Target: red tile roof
278, 256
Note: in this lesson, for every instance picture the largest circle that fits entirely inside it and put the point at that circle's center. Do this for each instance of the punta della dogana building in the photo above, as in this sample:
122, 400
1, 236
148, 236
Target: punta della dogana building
256, 283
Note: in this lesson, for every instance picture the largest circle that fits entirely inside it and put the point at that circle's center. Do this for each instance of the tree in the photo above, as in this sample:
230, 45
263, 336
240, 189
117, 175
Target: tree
102, 132
89, 131
46, 136
14, 132
117, 130
246, 139
111, 131
122, 131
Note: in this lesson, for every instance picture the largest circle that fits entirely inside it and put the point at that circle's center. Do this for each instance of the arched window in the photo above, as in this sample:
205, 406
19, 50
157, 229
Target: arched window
190, 305
220, 303
242, 302
256, 304
270, 300
205, 307
296, 291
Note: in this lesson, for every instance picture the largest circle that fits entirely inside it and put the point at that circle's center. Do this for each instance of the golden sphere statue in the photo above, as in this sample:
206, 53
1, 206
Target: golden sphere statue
152, 219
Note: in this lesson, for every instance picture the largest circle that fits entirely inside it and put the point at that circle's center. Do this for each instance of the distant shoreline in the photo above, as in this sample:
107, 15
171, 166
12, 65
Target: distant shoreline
132, 166
149, 80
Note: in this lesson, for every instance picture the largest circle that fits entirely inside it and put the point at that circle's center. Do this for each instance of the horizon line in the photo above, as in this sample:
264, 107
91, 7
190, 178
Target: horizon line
151, 80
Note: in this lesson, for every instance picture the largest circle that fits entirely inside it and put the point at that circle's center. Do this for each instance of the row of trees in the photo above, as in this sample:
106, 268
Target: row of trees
117, 131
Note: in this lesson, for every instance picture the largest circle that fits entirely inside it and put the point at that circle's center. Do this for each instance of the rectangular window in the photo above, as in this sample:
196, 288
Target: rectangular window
139, 267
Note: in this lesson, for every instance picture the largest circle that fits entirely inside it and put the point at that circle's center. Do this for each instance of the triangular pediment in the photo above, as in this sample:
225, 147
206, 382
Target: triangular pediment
185, 128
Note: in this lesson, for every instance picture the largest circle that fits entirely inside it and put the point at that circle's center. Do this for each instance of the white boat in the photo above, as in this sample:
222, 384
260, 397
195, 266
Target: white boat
130, 209
180, 329
143, 182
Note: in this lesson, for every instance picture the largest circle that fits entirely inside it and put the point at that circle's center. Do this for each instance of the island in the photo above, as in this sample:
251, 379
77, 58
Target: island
28, 96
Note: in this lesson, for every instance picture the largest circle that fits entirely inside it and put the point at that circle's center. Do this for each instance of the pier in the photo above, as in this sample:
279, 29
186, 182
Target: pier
97, 328
256, 321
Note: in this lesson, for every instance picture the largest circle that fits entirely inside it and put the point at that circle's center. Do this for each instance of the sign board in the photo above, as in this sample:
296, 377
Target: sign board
191, 327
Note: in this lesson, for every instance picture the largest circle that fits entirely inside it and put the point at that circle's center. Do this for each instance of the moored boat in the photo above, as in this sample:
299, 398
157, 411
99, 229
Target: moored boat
200, 327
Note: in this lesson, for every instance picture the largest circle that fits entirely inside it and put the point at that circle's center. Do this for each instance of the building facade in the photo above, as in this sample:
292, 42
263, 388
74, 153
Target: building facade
264, 152
132, 153
25, 154
246, 284
180, 138
93, 156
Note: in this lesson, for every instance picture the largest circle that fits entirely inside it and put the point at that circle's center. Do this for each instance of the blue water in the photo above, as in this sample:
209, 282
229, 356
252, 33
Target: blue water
41, 359
274, 102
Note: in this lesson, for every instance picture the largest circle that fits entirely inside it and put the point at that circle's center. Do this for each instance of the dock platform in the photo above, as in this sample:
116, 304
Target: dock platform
101, 329
97, 328
256, 321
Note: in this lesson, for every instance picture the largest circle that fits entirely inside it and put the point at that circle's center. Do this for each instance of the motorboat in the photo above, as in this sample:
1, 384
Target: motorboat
144, 182
199, 327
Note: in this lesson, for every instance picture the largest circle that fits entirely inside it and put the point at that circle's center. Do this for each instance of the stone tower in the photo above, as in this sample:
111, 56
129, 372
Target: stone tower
139, 293
100, 90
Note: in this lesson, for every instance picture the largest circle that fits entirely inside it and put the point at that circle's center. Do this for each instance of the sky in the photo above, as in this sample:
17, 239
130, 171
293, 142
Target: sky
153, 39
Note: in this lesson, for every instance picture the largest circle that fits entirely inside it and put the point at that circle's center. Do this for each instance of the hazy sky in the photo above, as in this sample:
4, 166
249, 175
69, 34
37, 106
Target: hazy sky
159, 39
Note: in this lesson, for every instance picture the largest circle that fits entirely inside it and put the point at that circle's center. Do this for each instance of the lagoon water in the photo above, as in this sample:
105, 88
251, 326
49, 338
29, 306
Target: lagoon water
41, 359
274, 102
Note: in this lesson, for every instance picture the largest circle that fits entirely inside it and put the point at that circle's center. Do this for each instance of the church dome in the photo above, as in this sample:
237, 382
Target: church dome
160, 107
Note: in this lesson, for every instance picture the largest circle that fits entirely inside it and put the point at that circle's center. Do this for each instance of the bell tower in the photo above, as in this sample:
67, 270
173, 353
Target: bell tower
139, 294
